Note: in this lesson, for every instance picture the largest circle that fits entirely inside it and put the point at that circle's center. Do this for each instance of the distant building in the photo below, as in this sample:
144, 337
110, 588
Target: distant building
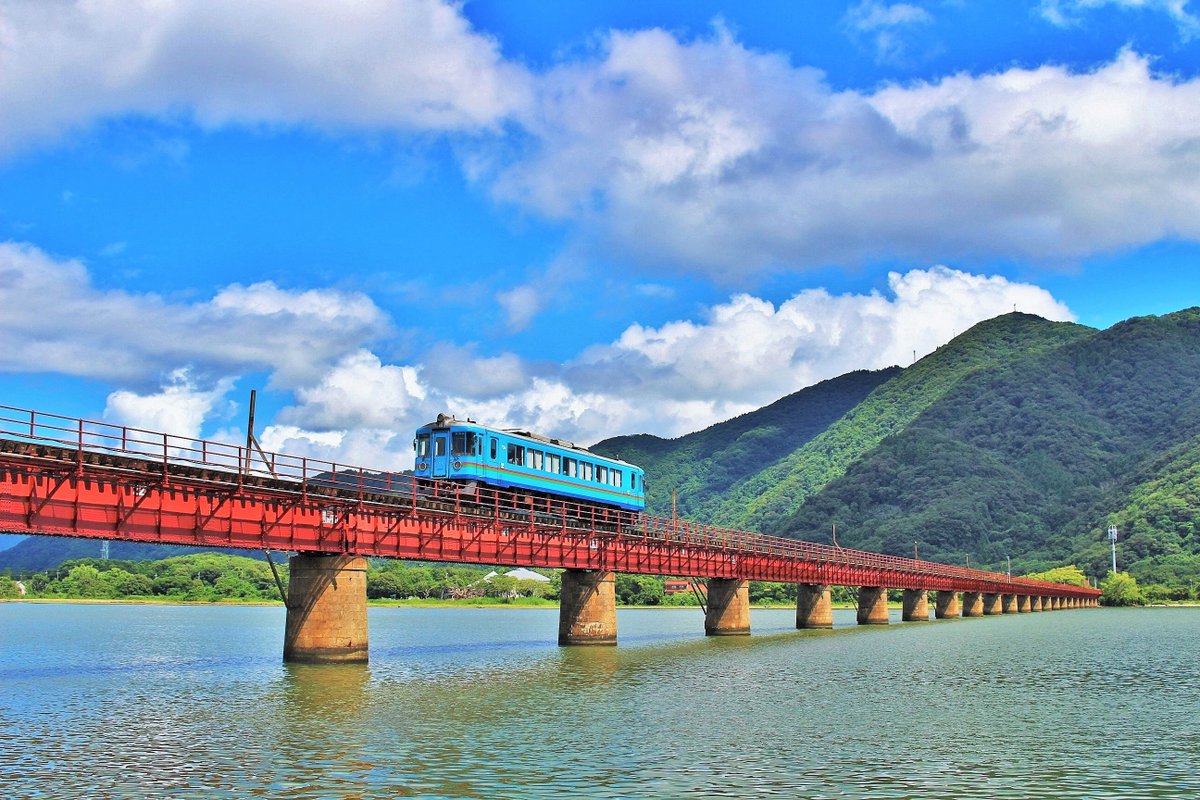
676, 585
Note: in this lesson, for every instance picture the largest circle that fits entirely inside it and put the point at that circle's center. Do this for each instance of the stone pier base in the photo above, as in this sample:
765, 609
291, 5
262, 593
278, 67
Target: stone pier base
728, 607
972, 604
587, 608
327, 610
1023, 604
947, 606
916, 606
1035, 603
991, 604
814, 607
1008, 603
872, 605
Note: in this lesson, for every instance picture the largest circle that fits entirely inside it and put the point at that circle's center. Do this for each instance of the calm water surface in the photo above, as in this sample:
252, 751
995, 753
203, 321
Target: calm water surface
161, 701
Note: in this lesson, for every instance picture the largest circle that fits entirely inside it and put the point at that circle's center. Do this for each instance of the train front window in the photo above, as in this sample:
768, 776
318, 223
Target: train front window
422, 445
516, 455
462, 443
439, 446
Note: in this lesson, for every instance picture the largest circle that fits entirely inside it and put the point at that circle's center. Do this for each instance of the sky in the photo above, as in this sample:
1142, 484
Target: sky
588, 219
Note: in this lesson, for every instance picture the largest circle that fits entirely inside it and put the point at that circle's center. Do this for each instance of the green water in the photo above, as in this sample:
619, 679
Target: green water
161, 701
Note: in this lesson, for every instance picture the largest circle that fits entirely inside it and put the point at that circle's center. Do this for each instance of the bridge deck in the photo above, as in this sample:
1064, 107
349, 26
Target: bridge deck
73, 477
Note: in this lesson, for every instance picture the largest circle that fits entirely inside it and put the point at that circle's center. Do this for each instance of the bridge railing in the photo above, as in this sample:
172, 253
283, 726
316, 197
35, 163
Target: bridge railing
225, 463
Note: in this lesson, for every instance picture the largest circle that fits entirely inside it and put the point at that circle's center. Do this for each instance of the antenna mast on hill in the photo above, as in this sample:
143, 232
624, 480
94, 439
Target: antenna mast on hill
1112, 538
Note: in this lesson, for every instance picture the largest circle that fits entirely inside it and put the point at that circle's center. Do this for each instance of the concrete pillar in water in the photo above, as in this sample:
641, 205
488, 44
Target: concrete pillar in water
915, 606
1008, 603
728, 607
947, 606
972, 603
1035, 603
1023, 604
872, 605
327, 610
587, 608
991, 604
814, 607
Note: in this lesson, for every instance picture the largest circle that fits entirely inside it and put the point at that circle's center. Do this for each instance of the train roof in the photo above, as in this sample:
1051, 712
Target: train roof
446, 420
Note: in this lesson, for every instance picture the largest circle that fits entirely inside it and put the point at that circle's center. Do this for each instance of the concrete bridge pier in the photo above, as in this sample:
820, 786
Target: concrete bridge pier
991, 604
947, 606
587, 608
814, 606
728, 607
1023, 604
326, 610
972, 604
872, 605
1008, 603
1035, 603
915, 606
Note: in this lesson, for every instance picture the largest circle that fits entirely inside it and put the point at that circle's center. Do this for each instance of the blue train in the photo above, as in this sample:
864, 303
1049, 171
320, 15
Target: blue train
464, 450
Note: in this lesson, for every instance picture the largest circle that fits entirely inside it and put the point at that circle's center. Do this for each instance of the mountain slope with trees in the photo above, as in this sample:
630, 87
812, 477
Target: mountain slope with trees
1033, 458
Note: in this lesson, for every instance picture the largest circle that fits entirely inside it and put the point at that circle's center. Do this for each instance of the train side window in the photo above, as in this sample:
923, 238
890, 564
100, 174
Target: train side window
422, 445
552, 462
633, 481
462, 443
601, 474
585, 470
534, 459
615, 476
570, 467
516, 454
494, 443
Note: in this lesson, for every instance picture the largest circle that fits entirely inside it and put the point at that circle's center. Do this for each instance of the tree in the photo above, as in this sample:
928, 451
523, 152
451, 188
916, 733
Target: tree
1070, 574
1120, 589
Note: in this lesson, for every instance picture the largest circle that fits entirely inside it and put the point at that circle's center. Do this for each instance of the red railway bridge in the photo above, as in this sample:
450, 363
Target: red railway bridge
73, 477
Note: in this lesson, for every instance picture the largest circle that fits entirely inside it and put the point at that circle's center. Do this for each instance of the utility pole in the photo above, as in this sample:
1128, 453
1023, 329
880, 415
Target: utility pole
1009, 560
916, 555
1112, 538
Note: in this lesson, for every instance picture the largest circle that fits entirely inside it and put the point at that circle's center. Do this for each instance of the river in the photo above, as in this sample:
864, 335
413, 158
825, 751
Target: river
129, 701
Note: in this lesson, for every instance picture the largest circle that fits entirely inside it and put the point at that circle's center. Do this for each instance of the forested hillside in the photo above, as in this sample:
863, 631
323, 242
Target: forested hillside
711, 463
1034, 457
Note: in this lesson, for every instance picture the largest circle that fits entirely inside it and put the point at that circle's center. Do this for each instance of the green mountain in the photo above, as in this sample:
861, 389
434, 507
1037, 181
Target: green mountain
47, 552
1033, 456
714, 463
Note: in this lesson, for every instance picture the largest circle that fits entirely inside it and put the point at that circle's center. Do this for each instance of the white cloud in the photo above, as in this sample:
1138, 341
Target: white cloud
1065, 13
709, 156
376, 64
179, 408
55, 320
521, 304
887, 26
669, 380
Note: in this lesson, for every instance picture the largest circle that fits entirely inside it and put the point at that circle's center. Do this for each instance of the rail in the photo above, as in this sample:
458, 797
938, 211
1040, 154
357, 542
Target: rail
75, 441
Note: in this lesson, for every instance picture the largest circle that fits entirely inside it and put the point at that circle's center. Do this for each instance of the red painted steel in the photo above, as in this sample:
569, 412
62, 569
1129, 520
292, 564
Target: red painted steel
73, 477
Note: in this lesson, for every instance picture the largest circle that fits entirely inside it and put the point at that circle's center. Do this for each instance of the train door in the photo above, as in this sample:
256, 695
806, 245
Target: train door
441, 454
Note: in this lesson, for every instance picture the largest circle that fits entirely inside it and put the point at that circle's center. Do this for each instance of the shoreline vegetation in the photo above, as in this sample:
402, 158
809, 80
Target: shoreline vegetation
223, 579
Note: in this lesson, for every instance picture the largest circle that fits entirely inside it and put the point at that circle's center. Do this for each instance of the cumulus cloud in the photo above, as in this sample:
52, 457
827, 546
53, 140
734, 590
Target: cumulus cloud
179, 408
707, 155
379, 64
55, 320
667, 380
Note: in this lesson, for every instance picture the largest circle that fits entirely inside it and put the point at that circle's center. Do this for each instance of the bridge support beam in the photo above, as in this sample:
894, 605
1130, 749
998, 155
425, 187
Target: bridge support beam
916, 606
1008, 603
728, 607
972, 604
587, 608
947, 606
814, 606
327, 610
872, 605
1023, 604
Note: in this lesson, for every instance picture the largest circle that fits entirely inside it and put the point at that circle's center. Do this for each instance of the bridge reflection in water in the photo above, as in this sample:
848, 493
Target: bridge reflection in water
73, 477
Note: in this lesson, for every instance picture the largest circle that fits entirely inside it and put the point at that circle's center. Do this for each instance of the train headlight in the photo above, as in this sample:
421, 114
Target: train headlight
421, 465
458, 465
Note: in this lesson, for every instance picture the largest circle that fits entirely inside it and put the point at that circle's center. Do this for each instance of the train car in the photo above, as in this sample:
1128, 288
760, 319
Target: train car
464, 450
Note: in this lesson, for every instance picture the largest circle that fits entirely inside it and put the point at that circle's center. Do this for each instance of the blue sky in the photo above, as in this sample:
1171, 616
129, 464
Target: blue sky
586, 218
